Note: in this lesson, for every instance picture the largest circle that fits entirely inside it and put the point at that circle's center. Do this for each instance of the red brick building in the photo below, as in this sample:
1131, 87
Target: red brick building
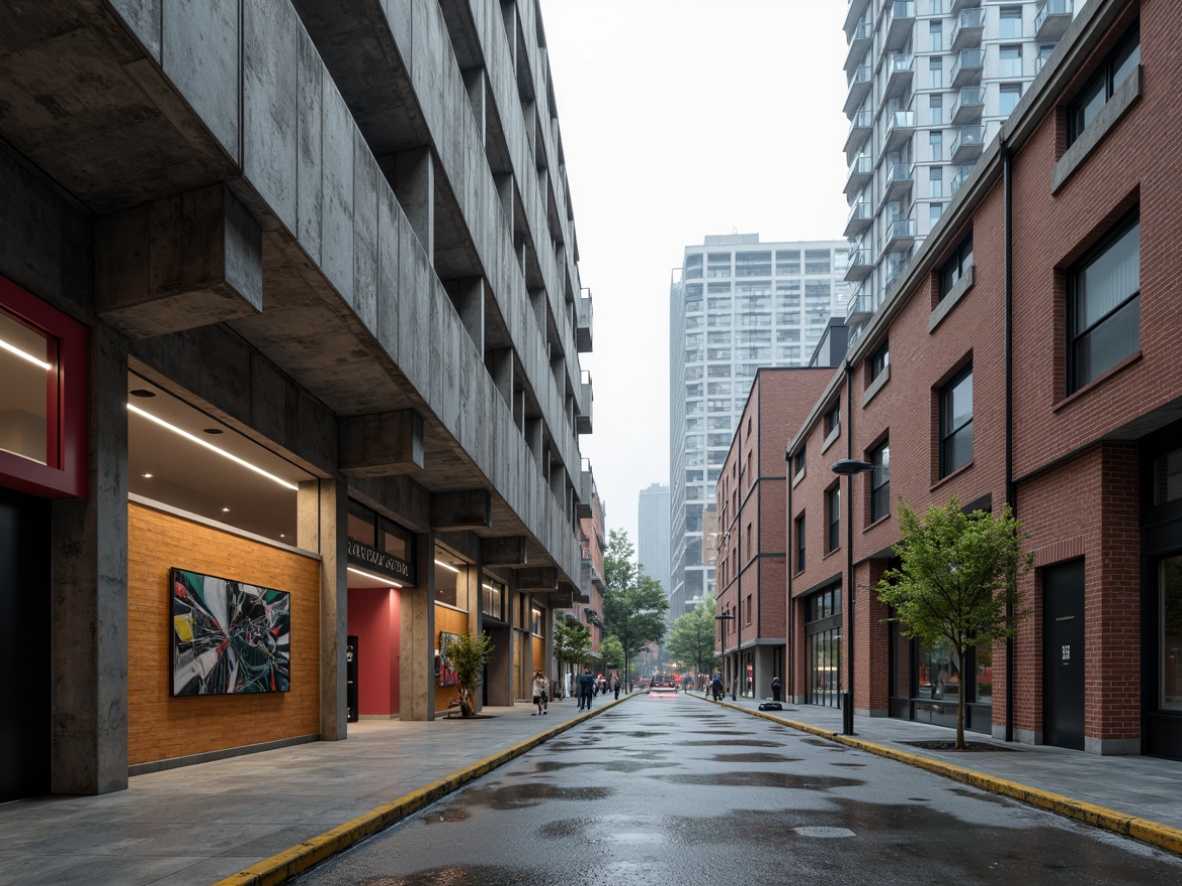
1030, 354
751, 507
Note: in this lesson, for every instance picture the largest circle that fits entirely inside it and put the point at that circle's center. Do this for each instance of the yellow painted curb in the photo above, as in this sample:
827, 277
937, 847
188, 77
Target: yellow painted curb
299, 858
1154, 833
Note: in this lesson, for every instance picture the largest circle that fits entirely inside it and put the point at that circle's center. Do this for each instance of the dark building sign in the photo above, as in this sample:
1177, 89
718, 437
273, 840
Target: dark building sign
363, 556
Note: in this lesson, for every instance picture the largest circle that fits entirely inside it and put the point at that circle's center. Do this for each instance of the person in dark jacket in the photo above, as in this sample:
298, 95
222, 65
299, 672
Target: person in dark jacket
776, 684
716, 687
586, 689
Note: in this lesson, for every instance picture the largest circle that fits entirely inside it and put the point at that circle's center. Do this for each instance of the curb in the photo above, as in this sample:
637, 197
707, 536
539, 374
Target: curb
299, 858
1154, 833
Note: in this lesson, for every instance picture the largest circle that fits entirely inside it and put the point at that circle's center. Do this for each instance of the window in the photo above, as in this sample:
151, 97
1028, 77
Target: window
956, 423
936, 143
1008, 97
880, 482
1010, 26
936, 72
1010, 61
935, 210
492, 594
1104, 307
937, 36
957, 266
798, 463
833, 517
1044, 53
799, 543
833, 418
936, 110
816, 261
936, 181
880, 360
1112, 73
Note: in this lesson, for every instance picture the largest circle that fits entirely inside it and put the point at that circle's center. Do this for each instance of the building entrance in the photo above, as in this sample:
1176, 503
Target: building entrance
1063, 655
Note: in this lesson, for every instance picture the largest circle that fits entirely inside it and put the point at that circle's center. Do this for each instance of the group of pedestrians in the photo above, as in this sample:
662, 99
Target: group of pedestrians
589, 686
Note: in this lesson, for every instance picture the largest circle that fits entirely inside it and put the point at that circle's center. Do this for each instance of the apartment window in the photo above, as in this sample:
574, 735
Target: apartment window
798, 463
935, 181
936, 33
957, 266
956, 423
799, 524
1008, 96
1104, 306
935, 210
833, 517
1010, 26
816, 261
1112, 73
936, 144
880, 360
936, 110
1010, 61
936, 72
833, 418
880, 482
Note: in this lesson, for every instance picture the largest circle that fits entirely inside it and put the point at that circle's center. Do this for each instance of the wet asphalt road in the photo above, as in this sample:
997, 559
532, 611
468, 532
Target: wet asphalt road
677, 791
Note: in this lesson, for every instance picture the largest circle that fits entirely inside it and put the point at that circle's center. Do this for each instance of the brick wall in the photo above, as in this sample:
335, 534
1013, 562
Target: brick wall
161, 727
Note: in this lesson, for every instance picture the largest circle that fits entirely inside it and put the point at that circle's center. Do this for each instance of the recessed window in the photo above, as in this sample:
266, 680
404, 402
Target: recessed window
956, 266
1010, 25
1104, 307
798, 462
833, 517
799, 525
880, 360
1009, 95
956, 423
1010, 61
833, 418
936, 181
1111, 74
880, 482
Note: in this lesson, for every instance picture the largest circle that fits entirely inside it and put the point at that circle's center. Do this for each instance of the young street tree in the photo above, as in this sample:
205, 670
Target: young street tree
692, 642
634, 605
572, 642
958, 581
469, 655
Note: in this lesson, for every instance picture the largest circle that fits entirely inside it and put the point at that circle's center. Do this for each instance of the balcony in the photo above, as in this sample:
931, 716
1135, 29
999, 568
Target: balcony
859, 43
1053, 19
900, 66
861, 263
586, 493
969, 26
860, 218
967, 145
860, 172
900, 128
585, 324
958, 5
583, 423
854, 15
859, 81
970, 104
859, 308
900, 21
899, 235
899, 179
962, 176
860, 127
966, 70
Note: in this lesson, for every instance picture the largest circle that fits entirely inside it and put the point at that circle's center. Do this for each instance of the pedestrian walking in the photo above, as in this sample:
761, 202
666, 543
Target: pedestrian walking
716, 687
776, 684
616, 685
541, 693
586, 689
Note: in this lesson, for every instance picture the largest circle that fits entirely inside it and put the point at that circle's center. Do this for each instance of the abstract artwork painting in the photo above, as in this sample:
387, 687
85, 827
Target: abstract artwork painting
447, 671
228, 637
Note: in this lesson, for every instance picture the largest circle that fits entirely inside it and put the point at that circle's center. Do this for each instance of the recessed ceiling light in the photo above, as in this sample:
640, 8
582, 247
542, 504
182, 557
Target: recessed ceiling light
390, 583
143, 392
283, 535
213, 430
147, 476
225, 510
446, 565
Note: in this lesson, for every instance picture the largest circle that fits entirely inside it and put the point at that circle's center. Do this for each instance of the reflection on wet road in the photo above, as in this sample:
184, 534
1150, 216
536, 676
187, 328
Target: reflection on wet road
644, 794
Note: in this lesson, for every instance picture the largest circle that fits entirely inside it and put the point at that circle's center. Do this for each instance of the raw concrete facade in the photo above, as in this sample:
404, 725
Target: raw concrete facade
344, 232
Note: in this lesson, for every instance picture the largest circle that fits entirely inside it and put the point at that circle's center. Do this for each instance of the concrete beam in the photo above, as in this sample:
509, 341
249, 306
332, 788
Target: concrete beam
179, 263
511, 551
467, 296
536, 579
467, 509
414, 186
499, 363
381, 445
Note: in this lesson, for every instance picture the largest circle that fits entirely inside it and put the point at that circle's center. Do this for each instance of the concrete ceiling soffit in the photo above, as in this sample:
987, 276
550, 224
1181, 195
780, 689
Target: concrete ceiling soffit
536, 580
465, 509
509, 551
381, 445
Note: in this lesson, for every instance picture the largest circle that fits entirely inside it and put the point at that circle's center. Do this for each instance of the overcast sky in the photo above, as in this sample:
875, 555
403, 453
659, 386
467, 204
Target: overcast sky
682, 118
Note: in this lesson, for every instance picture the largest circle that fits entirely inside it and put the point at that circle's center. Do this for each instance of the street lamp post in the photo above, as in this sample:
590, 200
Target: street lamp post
847, 468
724, 618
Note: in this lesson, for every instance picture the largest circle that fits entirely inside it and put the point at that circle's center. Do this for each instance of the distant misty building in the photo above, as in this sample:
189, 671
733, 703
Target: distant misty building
736, 305
652, 544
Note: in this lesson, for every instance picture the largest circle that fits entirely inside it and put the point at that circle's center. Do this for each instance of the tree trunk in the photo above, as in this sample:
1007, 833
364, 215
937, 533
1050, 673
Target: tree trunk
960, 691
467, 708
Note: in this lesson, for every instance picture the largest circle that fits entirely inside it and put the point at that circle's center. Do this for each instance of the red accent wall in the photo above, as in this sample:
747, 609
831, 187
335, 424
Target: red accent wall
375, 619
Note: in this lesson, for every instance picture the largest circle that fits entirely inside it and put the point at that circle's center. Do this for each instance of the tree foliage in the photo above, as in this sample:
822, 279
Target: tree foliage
957, 582
612, 652
468, 655
572, 642
634, 604
692, 642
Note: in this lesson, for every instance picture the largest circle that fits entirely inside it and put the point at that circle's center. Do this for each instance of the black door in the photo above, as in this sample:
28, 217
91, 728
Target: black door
352, 662
24, 646
1063, 655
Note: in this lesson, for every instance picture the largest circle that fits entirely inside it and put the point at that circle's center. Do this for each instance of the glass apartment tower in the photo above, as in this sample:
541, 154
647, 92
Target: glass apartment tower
930, 83
652, 540
735, 305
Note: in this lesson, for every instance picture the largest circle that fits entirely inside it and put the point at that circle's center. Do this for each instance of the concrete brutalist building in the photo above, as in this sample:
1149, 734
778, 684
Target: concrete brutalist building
292, 319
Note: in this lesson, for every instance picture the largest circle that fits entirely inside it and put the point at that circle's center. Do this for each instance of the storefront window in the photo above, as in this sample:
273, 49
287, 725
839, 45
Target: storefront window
26, 365
1170, 602
984, 671
823, 647
492, 597
939, 675
450, 572
535, 622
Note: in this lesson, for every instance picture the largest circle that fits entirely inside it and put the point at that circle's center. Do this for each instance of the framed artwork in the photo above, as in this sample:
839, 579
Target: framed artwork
447, 673
228, 638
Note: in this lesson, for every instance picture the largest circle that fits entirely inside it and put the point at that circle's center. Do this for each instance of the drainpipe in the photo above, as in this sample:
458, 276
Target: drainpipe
1007, 162
847, 718
790, 661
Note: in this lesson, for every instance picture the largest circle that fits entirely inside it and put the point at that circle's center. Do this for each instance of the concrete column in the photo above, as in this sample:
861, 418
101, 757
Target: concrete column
519, 410
474, 83
499, 363
537, 301
533, 439
467, 296
322, 513
88, 752
504, 184
414, 186
417, 675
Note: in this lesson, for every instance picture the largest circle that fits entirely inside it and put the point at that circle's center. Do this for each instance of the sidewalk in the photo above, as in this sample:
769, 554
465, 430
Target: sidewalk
261, 818
1134, 796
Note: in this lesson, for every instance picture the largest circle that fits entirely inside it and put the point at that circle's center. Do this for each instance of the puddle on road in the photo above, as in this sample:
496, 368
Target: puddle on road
446, 815
850, 765
519, 796
977, 795
754, 757
464, 875
753, 779
718, 732
732, 742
